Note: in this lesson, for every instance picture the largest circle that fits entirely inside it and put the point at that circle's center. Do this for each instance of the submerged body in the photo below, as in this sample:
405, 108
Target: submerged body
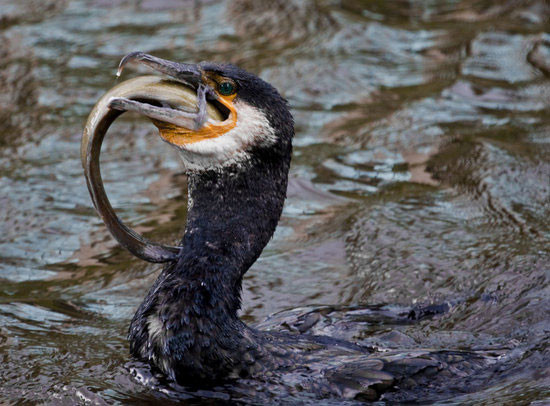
188, 326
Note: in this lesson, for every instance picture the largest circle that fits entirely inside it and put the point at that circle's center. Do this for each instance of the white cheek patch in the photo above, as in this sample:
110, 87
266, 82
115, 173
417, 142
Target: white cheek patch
252, 129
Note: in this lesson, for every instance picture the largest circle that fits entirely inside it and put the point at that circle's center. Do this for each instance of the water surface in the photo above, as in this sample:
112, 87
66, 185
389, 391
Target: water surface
421, 174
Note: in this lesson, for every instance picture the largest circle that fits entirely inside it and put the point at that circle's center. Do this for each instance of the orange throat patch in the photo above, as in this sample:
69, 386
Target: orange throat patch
181, 136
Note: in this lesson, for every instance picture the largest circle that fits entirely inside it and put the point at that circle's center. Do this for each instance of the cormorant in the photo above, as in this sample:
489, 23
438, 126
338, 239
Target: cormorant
234, 134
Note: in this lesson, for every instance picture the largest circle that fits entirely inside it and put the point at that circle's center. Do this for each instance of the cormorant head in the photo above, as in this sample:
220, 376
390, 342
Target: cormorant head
236, 113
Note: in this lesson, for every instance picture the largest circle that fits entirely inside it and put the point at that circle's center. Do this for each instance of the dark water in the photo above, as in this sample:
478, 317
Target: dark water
421, 174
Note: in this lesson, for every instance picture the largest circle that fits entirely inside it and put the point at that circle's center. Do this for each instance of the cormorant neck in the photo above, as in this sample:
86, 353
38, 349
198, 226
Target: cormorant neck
232, 214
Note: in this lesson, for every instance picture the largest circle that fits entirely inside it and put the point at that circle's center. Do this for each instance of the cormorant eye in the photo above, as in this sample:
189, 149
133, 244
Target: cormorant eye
226, 88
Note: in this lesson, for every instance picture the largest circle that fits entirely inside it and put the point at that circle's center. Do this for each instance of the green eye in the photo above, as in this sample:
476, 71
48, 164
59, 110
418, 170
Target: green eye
226, 88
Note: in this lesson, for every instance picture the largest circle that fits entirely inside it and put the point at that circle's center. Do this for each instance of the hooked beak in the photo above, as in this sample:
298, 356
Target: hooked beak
188, 74
180, 123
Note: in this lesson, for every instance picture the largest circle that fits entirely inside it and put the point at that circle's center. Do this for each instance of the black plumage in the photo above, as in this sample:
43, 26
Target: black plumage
188, 326
233, 214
